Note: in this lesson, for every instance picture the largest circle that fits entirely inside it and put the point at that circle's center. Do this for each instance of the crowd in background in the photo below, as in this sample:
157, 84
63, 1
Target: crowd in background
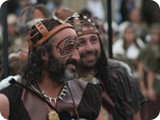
136, 36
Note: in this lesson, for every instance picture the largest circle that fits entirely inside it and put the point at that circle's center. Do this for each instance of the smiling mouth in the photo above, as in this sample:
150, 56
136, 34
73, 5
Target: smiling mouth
89, 57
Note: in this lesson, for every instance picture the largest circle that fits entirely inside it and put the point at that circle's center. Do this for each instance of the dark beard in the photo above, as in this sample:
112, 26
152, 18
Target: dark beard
88, 65
58, 72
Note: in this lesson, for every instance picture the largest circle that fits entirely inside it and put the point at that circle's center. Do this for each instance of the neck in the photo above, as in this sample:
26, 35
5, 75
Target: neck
48, 86
136, 22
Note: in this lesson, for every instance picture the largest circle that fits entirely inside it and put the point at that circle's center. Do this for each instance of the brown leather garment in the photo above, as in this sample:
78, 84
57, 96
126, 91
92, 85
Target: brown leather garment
37, 108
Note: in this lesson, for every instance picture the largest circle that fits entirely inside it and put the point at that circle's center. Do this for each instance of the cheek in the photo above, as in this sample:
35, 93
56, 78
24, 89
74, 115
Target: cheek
81, 50
64, 59
59, 57
98, 48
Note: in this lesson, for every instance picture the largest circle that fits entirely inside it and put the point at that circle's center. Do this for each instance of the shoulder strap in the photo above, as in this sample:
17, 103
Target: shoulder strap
40, 97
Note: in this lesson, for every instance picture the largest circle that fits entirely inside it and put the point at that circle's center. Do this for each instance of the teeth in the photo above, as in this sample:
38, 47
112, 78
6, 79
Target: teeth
60, 98
70, 66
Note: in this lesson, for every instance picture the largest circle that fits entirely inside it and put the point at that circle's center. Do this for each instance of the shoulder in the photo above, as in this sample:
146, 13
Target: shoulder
6, 81
84, 85
91, 100
124, 91
95, 88
4, 105
10, 100
92, 92
77, 83
10, 92
8, 89
116, 65
121, 77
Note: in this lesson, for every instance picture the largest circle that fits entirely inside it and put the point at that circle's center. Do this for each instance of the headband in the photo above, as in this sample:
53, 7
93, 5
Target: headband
45, 33
79, 21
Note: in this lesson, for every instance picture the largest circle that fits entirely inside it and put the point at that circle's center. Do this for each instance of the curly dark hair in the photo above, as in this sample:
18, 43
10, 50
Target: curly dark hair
33, 69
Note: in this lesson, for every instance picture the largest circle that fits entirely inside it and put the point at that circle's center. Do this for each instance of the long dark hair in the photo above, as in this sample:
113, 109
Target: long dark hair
33, 69
102, 67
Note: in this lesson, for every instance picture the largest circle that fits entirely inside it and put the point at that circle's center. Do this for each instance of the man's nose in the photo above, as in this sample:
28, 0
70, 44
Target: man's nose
89, 46
75, 55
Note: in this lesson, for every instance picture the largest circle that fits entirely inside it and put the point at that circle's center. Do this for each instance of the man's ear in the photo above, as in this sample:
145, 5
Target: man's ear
44, 55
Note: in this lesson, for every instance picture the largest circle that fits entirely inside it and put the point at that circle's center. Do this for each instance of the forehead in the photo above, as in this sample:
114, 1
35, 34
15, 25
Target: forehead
87, 36
129, 29
38, 14
67, 33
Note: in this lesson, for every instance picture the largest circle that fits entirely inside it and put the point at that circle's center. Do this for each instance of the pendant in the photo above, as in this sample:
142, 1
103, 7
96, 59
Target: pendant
52, 115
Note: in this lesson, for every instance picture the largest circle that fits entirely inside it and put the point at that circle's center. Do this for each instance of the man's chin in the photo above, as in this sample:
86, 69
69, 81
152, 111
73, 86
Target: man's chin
69, 76
89, 64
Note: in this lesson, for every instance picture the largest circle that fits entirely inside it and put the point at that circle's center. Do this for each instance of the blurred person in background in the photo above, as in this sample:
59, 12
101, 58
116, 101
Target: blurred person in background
149, 73
20, 5
52, 5
140, 25
127, 48
16, 63
150, 11
30, 15
13, 35
126, 6
63, 12
96, 8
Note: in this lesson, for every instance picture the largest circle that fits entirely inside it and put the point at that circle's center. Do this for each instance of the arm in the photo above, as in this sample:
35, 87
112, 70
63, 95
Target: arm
4, 106
140, 78
101, 114
137, 116
150, 80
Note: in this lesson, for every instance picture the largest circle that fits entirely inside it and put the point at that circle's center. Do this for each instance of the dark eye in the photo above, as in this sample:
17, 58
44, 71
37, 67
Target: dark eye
81, 42
94, 39
68, 49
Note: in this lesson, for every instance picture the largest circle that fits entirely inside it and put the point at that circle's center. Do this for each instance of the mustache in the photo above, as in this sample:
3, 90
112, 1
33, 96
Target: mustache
88, 53
71, 61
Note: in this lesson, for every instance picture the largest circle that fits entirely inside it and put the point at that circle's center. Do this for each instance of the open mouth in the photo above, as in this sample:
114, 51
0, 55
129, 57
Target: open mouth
71, 67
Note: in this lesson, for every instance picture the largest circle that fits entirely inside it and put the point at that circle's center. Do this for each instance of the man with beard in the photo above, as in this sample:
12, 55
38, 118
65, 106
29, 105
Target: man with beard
48, 90
122, 99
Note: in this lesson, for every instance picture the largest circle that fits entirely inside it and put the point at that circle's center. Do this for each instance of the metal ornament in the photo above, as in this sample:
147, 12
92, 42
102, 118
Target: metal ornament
52, 115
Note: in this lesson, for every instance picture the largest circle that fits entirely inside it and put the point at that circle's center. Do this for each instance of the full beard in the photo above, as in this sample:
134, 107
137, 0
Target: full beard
58, 71
88, 60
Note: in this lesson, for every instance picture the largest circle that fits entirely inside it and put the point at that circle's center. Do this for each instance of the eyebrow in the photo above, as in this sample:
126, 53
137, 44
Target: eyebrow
82, 38
93, 36
66, 38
